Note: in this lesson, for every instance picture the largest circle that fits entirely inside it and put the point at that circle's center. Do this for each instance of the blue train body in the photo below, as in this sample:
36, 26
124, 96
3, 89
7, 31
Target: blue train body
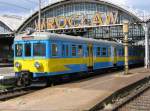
45, 54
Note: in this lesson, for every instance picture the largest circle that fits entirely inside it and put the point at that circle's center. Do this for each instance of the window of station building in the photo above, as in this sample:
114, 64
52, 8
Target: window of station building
54, 50
80, 50
74, 50
18, 50
98, 52
104, 51
27, 49
39, 49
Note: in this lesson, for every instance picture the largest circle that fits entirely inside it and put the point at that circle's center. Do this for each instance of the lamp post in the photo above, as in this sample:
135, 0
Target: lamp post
39, 19
126, 59
147, 62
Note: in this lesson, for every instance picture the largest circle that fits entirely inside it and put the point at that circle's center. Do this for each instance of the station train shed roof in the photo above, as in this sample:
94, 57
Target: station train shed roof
12, 22
18, 24
61, 2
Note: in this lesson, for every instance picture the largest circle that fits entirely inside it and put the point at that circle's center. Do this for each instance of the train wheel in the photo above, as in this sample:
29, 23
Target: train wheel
26, 81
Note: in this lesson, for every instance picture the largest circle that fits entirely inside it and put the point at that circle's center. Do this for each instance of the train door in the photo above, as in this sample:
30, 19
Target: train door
90, 57
114, 56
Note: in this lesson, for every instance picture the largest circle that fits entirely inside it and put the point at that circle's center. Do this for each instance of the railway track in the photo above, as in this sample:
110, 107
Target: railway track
137, 100
132, 98
15, 92
138, 103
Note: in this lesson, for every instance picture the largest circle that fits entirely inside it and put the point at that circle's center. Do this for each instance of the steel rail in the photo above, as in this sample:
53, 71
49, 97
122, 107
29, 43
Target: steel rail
121, 97
15, 92
131, 97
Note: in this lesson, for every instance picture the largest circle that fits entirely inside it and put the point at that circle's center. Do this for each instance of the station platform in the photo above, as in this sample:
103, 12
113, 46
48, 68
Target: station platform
6, 72
76, 96
6, 65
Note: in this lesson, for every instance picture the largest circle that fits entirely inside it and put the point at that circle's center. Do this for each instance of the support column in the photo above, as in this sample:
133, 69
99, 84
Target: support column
147, 64
125, 31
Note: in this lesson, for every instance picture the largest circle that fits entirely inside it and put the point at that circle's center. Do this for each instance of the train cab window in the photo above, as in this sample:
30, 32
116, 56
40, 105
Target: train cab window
27, 49
18, 50
39, 49
74, 50
54, 50
98, 53
104, 53
80, 51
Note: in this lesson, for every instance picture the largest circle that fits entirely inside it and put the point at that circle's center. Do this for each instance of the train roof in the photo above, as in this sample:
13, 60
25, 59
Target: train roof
62, 37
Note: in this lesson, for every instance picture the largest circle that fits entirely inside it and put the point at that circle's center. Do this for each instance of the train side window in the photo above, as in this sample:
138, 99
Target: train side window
98, 52
18, 50
122, 51
80, 51
119, 52
104, 53
109, 52
130, 53
74, 50
54, 50
87, 51
27, 49
65, 50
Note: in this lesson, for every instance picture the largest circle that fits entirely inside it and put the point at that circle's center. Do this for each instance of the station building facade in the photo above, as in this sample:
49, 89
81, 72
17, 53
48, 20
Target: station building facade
88, 18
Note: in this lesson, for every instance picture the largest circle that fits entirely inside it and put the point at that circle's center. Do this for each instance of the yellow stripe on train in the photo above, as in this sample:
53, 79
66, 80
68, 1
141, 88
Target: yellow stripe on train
59, 64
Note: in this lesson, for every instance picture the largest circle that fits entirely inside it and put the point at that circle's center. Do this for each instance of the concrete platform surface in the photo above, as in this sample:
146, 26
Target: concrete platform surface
6, 64
76, 96
6, 72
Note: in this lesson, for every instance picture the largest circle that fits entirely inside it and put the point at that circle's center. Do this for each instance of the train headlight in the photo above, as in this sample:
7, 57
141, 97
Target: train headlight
17, 64
37, 65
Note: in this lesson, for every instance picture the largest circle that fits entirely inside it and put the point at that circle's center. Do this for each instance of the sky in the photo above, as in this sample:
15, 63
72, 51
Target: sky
26, 7
139, 4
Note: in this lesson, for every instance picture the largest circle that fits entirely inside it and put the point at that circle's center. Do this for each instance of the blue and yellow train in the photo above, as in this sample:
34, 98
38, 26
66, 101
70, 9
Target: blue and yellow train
46, 55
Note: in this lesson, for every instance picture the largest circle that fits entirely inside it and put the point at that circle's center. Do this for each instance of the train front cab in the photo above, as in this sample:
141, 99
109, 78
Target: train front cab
34, 59
30, 57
